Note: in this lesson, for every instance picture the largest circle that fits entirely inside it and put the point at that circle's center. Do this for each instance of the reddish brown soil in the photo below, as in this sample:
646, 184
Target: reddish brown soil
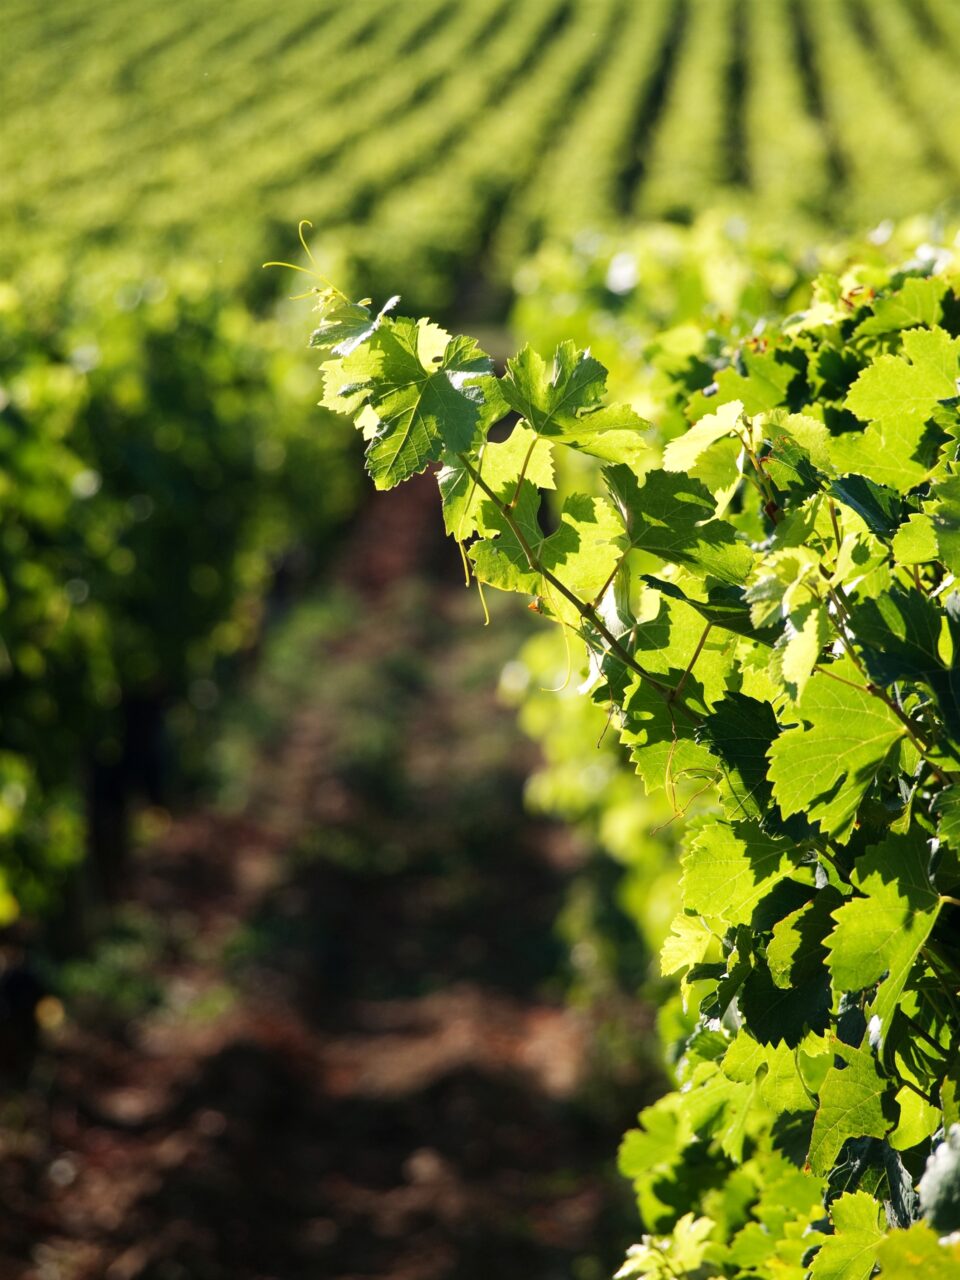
390, 1086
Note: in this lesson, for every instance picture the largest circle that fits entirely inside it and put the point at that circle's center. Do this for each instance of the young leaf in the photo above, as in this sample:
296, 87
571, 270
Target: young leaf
424, 402
917, 303
897, 395
781, 1087
915, 542
681, 453
918, 1254
808, 629
904, 389
662, 742
344, 325
615, 433
582, 553
500, 465
553, 398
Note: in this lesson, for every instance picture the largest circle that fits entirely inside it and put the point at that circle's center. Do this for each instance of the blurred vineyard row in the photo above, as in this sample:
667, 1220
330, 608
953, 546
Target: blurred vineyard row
160, 470
434, 144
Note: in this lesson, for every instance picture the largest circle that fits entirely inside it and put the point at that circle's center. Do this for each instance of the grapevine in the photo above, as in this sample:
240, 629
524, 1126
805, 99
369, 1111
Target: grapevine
768, 604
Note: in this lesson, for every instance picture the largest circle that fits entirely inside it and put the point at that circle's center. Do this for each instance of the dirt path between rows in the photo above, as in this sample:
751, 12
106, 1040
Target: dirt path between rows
359, 1063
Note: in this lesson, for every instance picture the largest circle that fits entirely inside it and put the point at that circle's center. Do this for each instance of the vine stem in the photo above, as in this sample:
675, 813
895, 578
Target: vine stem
770, 504
928, 954
586, 611
523, 470
925, 1035
678, 689
919, 1092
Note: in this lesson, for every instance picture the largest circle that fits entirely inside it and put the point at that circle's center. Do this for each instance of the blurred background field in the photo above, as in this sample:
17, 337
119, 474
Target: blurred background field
436, 144
251, 758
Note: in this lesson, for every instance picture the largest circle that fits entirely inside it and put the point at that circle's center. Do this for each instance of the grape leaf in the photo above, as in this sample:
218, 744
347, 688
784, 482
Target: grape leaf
918, 1253
776, 925
851, 1253
615, 433
854, 1103
681, 453
686, 944
727, 870
904, 389
724, 607
552, 398
796, 951
799, 454
915, 542
807, 631
918, 1120
883, 931
945, 512
774, 1067
947, 807
917, 303
774, 1014
421, 408
671, 517
582, 552
662, 739
562, 403
344, 325
762, 384
823, 767
897, 395
662, 742
878, 506
899, 635
664, 1133
739, 731
499, 465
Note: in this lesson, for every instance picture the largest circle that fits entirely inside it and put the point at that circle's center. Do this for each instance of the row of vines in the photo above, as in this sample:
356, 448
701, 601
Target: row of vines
156, 462
437, 143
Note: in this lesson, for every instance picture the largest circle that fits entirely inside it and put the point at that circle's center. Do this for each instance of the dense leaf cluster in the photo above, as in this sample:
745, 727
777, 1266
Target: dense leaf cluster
769, 608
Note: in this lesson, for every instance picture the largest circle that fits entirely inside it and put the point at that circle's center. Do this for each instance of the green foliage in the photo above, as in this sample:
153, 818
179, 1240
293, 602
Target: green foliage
758, 636
656, 302
155, 464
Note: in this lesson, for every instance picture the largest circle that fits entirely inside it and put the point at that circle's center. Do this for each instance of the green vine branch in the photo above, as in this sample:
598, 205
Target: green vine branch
585, 610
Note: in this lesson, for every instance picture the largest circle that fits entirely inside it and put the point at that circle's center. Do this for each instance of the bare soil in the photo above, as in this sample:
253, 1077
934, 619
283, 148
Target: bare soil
357, 1060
